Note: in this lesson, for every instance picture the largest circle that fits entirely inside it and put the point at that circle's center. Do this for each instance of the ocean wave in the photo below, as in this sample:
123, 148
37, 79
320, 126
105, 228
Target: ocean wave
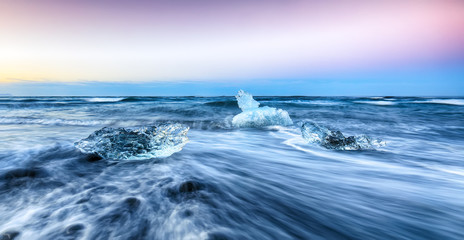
319, 102
225, 124
54, 122
131, 99
379, 103
459, 102
142, 99
307, 102
222, 104
104, 99
60, 193
230, 183
382, 98
34, 100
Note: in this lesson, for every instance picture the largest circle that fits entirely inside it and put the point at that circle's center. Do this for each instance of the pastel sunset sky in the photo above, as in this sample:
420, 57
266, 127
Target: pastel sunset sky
205, 47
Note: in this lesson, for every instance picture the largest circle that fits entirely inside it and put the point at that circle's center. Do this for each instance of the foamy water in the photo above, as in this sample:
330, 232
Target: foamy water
113, 99
459, 102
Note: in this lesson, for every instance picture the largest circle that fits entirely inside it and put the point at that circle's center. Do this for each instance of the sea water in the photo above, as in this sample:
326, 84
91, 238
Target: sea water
232, 182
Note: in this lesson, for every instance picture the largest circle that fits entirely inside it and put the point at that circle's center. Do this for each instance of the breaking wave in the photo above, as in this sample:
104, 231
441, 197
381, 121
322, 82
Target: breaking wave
104, 99
458, 102
379, 103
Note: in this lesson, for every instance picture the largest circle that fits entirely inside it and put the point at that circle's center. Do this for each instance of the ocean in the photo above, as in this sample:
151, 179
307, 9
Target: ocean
232, 182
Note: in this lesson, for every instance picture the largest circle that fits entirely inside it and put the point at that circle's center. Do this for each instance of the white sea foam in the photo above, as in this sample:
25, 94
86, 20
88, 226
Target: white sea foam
383, 98
380, 103
103, 99
459, 102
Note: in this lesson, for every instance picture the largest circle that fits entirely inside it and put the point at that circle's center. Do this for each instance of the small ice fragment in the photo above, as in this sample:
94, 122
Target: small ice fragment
313, 133
135, 144
255, 116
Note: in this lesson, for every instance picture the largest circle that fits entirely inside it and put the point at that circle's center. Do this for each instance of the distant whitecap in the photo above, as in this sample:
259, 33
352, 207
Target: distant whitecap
380, 103
459, 102
103, 99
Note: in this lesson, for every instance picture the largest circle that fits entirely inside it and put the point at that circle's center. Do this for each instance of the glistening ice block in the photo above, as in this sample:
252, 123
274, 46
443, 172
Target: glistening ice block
263, 116
137, 144
255, 116
314, 133
245, 101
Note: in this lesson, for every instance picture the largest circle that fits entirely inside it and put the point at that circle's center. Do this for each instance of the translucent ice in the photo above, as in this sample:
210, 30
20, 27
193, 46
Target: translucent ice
263, 116
254, 116
314, 133
136, 144
245, 101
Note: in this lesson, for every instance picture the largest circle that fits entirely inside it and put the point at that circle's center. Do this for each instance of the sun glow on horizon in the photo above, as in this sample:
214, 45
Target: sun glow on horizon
82, 41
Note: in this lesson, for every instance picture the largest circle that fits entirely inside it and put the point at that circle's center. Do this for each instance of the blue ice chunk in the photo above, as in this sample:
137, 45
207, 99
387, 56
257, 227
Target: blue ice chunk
313, 133
135, 144
263, 116
255, 116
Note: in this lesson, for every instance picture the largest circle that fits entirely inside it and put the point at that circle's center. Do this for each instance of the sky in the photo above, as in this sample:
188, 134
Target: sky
206, 47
